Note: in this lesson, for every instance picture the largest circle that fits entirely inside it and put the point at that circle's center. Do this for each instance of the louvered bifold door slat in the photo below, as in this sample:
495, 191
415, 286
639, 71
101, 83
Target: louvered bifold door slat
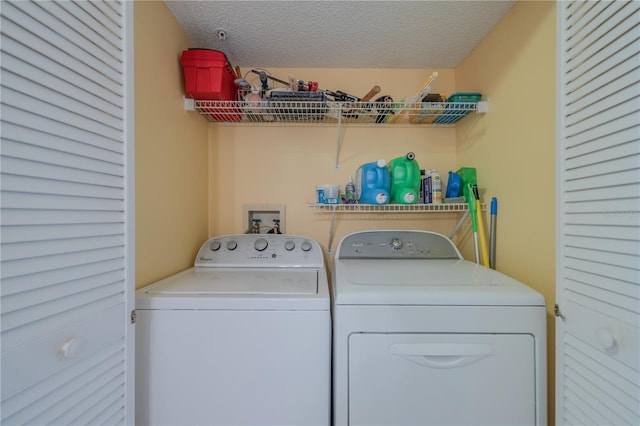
598, 222
65, 231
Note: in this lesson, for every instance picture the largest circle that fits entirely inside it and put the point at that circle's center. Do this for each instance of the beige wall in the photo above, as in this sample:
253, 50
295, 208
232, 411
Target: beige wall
513, 147
282, 165
171, 151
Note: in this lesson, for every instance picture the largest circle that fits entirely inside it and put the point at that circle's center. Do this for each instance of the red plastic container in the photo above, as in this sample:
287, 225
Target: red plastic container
208, 75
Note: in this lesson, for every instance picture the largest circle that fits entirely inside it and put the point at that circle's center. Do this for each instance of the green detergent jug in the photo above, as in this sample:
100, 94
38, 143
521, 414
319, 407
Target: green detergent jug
405, 179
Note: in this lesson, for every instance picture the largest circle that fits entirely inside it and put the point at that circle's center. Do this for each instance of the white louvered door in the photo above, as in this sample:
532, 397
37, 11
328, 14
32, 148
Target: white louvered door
598, 222
67, 212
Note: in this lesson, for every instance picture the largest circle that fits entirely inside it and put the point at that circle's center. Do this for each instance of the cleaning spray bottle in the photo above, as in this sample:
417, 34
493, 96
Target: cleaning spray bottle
405, 179
349, 192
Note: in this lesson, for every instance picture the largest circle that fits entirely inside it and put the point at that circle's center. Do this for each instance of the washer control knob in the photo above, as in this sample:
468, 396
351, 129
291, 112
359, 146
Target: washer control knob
232, 245
289, 245
260, 244
305, 246
215, 245
396, 243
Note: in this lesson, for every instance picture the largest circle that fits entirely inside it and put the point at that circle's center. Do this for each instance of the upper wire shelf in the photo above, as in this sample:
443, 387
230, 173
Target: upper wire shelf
326, 112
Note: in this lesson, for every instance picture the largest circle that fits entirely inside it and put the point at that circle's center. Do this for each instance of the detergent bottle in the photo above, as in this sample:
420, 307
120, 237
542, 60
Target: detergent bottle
373, 183
405, 179
436, 187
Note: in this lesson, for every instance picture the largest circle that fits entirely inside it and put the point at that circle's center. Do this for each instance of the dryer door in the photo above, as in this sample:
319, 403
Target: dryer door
441, 379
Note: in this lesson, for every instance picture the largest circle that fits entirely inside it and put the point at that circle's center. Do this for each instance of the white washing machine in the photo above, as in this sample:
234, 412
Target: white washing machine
423, 337
242, 338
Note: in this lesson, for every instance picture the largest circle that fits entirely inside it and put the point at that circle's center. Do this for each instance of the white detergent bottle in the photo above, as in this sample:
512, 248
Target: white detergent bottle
436, 187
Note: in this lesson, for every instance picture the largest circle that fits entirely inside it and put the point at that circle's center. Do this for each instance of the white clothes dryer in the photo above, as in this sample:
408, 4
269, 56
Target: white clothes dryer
242, 338
423, 337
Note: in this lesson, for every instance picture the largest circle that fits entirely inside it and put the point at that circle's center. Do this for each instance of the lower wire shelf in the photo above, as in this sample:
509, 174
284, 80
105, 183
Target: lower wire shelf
334, 209
391, 208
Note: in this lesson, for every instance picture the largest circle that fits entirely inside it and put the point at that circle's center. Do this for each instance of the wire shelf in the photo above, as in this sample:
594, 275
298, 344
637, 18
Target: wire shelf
334, 209
391, 208
328, 112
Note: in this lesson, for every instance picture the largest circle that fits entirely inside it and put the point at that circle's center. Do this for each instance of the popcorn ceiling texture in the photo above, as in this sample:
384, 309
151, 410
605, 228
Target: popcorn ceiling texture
339, 34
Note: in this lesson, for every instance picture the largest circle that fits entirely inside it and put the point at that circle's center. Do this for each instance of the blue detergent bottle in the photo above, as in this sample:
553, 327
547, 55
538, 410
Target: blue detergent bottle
373, 183
405, 179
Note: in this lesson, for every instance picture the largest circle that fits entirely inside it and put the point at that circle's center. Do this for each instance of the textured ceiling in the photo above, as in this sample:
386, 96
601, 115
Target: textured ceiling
339, 34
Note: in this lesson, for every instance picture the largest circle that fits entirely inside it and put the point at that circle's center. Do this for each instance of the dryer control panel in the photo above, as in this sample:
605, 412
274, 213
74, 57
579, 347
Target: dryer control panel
260, 250
392, 244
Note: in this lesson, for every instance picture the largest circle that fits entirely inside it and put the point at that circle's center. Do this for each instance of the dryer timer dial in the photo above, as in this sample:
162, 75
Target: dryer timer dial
396, 243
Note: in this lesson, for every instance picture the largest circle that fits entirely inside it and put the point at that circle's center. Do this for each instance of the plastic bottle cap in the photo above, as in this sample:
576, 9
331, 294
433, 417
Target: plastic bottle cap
381, 163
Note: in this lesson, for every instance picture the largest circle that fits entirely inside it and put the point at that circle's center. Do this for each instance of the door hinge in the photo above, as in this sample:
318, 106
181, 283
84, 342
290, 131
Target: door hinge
557, 313
133, 316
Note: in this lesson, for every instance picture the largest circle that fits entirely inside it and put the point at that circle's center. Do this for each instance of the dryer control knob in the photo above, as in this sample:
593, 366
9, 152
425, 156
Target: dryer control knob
396, 243
289, 245
260, 244
215, 245
305, 246
231, 245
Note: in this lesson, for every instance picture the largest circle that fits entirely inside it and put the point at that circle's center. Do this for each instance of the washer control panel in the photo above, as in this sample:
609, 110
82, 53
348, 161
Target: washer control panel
397, 245
260, 250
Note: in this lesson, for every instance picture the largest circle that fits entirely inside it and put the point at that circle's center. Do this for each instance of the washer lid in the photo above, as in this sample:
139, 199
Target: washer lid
238, 288
426, 282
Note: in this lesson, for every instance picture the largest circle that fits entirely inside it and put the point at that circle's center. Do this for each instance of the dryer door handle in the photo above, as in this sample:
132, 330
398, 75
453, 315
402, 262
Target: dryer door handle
443, 355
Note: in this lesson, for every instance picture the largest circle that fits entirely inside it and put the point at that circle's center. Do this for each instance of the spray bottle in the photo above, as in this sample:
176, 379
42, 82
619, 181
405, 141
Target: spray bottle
349, 192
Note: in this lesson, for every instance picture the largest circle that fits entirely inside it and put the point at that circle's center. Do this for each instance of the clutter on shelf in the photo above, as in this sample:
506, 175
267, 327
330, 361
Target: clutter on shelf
400, 181
221, 94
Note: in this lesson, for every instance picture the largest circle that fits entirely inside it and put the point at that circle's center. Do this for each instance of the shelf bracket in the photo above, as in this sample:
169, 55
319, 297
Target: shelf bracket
460, 222
189, 104
331, 229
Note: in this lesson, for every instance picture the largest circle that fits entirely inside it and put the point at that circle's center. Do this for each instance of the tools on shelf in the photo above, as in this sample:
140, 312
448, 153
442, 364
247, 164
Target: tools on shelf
222, 94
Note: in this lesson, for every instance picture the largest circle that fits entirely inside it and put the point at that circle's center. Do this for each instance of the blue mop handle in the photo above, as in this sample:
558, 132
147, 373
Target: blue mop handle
492, 233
